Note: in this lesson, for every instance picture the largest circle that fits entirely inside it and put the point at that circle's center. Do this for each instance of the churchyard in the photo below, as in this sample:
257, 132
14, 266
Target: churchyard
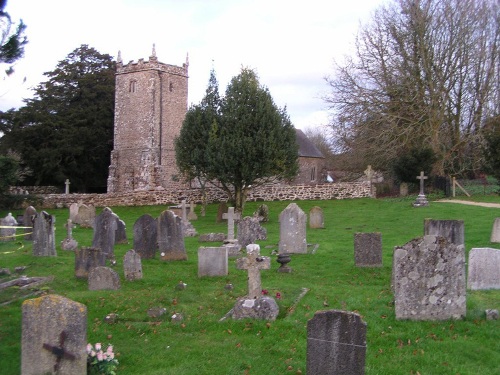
172, 316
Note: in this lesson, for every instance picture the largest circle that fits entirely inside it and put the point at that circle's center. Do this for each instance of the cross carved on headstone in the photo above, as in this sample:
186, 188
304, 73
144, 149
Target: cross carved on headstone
253, 263
67, 183
231, 216
422, 178
59, 351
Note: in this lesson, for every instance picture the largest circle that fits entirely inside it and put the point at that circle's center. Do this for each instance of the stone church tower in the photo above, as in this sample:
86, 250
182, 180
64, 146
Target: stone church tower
151, 101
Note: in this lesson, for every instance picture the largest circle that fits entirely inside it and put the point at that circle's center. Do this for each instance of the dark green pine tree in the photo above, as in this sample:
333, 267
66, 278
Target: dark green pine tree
66, 130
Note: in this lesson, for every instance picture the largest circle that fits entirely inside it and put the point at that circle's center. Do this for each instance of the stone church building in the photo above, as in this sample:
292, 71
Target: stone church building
151, 100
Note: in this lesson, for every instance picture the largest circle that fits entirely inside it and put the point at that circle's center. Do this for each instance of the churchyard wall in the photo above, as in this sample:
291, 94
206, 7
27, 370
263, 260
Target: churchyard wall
341, 190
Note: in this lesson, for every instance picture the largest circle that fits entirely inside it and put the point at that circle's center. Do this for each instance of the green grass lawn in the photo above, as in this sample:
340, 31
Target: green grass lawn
201, 344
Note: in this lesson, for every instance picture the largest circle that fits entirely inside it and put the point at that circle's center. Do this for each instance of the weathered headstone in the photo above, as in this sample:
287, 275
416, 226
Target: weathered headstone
293, 230
171, 237
132, 265
421, 200
231, 217
73, 212
121, 234
146, 236
495, 232
103, 278
86, 216
429, 279
452, 230
54, 336
28, 218
484, 269
191, 214
368, 249
250, 231
336, 343
403, 189
316, 218
87, 258
212, 261
43, 235
8, 228
105, 232
69, 243
262, 213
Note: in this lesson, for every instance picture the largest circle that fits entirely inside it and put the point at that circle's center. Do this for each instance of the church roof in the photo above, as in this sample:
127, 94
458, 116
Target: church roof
306, 147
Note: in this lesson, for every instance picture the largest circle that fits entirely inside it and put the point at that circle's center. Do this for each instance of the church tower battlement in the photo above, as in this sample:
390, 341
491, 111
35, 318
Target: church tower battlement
151, 100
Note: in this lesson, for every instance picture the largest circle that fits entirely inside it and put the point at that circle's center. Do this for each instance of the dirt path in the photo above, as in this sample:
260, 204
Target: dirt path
482, 204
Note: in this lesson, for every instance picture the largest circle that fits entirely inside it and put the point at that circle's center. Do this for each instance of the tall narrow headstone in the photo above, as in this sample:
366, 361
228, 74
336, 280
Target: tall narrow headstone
8, 228
250, 231
484, 269
146, 236
171, 237
316, 218
54, 336
87, 258
132, 265
368, 249
293, 230
212, 261
28, 218
121, 234
73, 212
105, 232
43, 235
495, 232
336, 344
452, 230
103, 278
429, 279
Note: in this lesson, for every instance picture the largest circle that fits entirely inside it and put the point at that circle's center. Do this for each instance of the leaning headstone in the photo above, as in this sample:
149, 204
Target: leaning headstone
250, 231
54, 336
316, 218
73, 212
146, 236
43, 235
87, 258
336, 343
293, 230
452, 230
484, 269
368, 249
86, 216
212, 261
132, 265
103, 278
69, 243
171, 237
495, 232
429, 279
105, 232
28, 217
121, 234
8, 228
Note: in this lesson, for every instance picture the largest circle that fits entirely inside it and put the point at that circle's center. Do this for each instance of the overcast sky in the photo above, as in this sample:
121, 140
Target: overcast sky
290, 44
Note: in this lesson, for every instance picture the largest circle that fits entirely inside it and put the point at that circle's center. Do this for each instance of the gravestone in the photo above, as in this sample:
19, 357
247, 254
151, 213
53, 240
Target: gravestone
191, 214
171, 237
66, 188
316, 218
336, 343
212, 261
103, 278
495, 232
86, 216
132, 265
262, 213
8, 228
146, 236
484, 269
121, 234
43, 235
105, 232
403, 189
221, 210
250, 231
28, 217
212, 237
69, 243
87, 258
421, 200
73, 212
368, 249
452, 230
54, 336
293, 230
429, 279
231, 216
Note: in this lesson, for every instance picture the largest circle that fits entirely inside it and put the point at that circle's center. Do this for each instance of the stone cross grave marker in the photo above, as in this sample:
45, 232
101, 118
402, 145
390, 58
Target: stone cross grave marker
69, 243
293, 230
368, 249
231, 216
421, 199
171, 237
67, 183
484, 269
254, 263
336, 344
132, 265
54, 336
146, 236
105, 232
43, 235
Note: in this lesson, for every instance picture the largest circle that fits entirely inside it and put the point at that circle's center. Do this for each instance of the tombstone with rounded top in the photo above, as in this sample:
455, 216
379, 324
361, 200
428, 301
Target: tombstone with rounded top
293, 230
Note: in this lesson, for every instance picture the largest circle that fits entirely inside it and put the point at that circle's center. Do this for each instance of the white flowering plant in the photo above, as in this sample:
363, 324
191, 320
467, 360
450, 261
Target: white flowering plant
100, 362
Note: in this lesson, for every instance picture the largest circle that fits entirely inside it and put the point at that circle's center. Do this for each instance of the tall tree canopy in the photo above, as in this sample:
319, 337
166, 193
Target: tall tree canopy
66, 130
239, 141
425, 74
12, 38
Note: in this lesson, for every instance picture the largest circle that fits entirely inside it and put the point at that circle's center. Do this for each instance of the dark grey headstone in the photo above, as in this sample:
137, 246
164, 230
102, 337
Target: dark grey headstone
212, 261
250, 231
103, 278
429, 279
43, 235
293, 230
336, 344
87, 258
121, 234
484, 269
105, 232
28, 218
146, 236
452, 230
316, 218
132, 265
171, 237
54, 336
368, 249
